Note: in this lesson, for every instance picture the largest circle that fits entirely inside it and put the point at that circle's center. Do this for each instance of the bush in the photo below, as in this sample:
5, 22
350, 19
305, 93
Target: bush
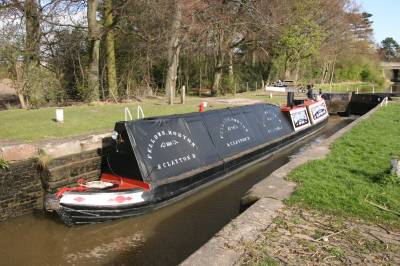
359, 68
42, 87
227, 84
4, 164
370, 73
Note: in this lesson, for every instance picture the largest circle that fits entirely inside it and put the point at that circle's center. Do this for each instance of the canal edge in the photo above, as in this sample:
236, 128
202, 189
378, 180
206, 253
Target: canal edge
263, 200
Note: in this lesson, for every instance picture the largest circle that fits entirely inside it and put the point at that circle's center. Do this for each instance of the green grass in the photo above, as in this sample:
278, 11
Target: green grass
39, 124
363, 87
356, 172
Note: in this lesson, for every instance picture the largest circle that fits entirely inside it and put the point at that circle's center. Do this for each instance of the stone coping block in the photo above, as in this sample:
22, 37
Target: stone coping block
18, 152
88, 143
55, 148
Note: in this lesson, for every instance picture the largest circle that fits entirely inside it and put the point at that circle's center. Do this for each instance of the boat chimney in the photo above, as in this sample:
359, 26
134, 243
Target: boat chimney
290, 99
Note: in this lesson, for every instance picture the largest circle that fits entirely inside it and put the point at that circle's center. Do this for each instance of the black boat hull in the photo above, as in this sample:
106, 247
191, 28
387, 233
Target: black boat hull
175, 189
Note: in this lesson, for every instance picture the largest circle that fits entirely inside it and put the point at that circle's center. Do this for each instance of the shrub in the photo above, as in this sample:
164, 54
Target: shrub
4, 164
42, 87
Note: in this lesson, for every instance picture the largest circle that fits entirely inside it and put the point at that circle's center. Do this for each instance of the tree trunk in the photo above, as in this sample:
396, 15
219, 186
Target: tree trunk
174, 48
110, 51
31, 48
219, 65
297, 71
231, 64
17, 83
200, 76
94, 38
325, 69
32, 28
149, 65
266, 73
230, 72
253, 57
287, 72
287, 69
332, 73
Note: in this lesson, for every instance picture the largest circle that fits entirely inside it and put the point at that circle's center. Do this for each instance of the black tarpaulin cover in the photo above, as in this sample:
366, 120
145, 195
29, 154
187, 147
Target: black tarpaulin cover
172, 145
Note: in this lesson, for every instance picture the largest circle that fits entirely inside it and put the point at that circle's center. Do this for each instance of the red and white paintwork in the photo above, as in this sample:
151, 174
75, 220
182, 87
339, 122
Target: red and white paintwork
126, 191
102, 198
298, 116
317, 110
312, 112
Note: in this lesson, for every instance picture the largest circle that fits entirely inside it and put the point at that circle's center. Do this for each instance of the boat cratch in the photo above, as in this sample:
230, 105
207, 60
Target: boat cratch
157, 160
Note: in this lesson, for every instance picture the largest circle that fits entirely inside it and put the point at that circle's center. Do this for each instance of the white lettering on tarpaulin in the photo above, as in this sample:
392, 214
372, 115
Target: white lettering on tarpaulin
168, 144
236, 142
269, 117
228, 128
176, 161
161, 135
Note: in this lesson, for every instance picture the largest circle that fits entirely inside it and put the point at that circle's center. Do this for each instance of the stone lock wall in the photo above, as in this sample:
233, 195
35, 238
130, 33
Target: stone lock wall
23, 185
20, 189
67, 170
337, 102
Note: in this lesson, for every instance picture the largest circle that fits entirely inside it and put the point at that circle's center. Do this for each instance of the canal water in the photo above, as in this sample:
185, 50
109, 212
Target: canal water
163, 237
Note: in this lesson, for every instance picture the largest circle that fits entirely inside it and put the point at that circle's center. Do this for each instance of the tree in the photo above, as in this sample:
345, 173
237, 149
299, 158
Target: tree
174, 48
11, 51
159, 45
32, 35
94, 39
110, 50
390, 49
224, 20
301, 37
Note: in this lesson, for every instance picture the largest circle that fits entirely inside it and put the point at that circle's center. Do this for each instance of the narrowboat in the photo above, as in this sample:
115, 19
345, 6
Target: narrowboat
158, 160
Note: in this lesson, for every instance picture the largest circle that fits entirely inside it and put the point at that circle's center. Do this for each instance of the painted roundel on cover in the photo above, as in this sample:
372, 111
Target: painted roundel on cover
167, 147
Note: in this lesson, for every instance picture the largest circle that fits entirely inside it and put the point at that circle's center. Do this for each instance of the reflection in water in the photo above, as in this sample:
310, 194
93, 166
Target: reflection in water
102, 251
163, 237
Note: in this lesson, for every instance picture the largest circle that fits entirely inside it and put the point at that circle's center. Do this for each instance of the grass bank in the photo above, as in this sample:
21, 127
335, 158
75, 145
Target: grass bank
39, 124
362, 87
354, 179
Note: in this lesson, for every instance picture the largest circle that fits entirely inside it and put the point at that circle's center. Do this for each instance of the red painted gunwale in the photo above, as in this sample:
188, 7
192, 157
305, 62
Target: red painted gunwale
122, 183
305, 104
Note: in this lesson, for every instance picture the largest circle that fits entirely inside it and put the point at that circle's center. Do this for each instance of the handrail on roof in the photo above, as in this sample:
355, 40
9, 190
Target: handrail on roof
127, 114
140, 112
384, 101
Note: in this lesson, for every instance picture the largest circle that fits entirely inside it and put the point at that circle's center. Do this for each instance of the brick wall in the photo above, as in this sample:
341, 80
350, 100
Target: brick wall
337, 102
20, 189
22, 186
67, 170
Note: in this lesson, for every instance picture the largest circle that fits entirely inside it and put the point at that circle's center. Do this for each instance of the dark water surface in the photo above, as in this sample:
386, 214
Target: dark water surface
163, 237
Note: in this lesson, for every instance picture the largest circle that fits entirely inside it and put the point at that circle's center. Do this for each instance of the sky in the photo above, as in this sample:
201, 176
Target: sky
386, 17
